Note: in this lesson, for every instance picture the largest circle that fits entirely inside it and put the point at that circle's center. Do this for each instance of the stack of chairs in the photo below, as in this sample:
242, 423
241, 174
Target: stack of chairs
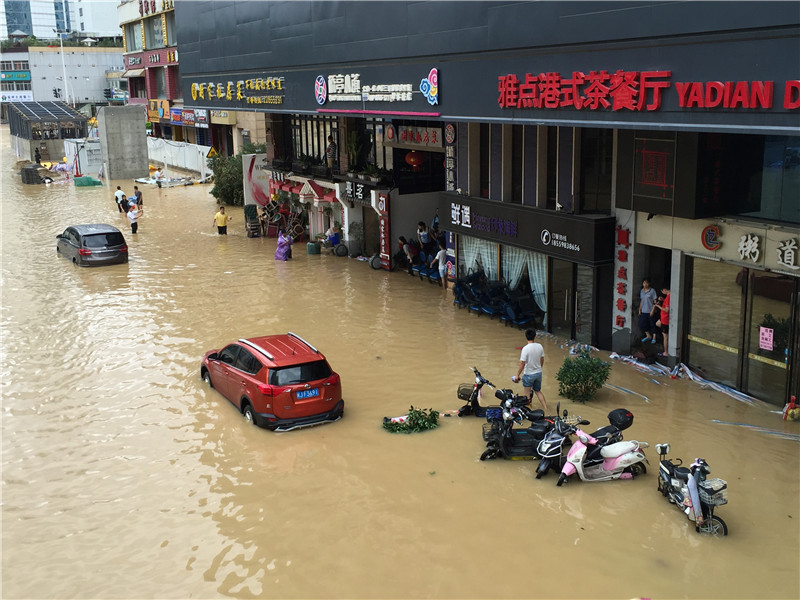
252, 225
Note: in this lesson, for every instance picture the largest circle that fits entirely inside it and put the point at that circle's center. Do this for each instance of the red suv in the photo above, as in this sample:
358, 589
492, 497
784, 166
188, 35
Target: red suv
280, 382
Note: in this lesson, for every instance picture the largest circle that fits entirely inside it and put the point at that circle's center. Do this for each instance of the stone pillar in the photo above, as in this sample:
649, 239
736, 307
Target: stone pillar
123, 141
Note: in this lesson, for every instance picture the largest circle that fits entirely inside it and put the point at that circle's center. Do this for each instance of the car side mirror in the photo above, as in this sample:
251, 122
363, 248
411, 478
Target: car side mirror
59, 236
212, 356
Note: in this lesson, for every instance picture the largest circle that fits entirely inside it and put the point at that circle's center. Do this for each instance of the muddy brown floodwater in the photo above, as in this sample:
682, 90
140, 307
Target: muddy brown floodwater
123, 476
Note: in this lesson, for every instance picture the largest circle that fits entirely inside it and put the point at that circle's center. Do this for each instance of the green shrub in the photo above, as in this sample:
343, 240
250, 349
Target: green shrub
418, 420
580, 377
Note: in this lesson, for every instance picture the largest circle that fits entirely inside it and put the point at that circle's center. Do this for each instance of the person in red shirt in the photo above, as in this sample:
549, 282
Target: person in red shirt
663, 306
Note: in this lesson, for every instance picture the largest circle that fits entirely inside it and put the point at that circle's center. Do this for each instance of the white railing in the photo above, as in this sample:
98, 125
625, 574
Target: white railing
181, 155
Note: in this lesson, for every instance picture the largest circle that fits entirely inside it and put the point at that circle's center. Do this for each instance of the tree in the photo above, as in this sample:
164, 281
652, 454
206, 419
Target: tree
228, 178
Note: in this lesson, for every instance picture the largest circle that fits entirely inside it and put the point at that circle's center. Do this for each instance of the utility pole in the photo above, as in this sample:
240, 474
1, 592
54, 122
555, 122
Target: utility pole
63, 65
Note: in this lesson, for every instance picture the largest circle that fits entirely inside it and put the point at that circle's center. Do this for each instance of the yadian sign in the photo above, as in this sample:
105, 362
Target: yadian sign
637, 91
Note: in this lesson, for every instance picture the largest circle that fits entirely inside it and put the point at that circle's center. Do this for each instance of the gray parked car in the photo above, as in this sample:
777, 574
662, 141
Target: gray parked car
92, 245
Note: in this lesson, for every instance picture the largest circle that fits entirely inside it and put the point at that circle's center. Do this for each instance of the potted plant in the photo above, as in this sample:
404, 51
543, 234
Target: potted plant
353, 150
319, 168
372, 172
580, 377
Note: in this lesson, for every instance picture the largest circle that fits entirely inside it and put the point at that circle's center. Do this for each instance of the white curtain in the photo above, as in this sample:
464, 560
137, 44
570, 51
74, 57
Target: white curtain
537, 274
487, 252
514, 260
470, 251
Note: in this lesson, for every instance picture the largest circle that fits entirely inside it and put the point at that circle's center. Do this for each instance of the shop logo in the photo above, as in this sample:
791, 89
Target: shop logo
710, 238
450, 133
321, 90
545, 237
430, 87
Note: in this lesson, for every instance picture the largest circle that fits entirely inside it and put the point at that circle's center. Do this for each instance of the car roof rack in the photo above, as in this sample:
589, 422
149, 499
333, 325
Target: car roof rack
257, 348
294, 335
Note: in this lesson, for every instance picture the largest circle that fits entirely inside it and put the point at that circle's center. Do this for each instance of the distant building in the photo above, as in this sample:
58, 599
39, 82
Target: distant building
38, 18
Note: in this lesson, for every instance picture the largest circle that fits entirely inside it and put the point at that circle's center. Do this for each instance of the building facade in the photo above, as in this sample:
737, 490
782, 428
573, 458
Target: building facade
83, 18
568, 150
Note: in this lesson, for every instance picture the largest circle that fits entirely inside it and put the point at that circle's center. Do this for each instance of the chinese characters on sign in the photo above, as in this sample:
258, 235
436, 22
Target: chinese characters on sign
385, 237
242, 90
450, 174
623, 242
787, 254
634, 91
748, 247
630, 90
460, 215
357, 192
765, 338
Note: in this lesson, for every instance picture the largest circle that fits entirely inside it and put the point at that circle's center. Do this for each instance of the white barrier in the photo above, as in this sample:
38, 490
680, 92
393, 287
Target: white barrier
181, 155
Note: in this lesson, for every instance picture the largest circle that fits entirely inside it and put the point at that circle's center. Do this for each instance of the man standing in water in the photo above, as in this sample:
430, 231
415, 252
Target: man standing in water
531, 361
118, 196
221, 221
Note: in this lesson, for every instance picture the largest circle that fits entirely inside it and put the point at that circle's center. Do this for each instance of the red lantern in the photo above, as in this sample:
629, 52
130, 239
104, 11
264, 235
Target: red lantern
415, 159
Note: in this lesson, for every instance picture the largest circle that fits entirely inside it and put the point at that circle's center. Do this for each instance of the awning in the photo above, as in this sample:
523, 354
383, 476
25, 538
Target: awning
114, 74
134, 73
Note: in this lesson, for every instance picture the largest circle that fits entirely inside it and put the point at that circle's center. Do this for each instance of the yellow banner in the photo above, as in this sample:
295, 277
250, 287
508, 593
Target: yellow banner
716, 345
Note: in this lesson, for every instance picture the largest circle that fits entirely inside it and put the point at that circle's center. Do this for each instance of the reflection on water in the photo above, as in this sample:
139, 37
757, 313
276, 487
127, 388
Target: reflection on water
123, 476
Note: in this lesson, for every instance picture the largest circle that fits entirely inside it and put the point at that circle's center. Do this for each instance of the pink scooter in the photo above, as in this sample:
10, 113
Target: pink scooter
623, 460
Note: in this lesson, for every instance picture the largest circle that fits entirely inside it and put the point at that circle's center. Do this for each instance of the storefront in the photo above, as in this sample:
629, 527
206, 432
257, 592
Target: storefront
739, 312
566, 261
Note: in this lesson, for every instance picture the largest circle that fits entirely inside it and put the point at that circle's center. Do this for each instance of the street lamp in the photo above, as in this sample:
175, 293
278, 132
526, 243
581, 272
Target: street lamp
63, 64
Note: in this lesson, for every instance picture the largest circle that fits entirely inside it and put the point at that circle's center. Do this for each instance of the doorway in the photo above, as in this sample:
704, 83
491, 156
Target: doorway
767, 365
561, 308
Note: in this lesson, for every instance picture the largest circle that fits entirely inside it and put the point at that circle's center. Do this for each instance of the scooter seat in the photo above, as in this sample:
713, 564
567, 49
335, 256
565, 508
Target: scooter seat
539, 428
682, 473
618, 449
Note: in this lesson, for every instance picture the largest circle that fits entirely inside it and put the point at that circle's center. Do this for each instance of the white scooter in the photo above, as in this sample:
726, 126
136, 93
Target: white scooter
623, 460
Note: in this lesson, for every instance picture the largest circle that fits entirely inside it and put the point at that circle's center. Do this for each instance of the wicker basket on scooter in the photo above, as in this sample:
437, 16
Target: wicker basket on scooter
490, 430
713, 492
464, 391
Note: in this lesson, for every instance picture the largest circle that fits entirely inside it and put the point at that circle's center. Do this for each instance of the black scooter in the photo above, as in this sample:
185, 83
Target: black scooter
551, 449
471, 394
503, 440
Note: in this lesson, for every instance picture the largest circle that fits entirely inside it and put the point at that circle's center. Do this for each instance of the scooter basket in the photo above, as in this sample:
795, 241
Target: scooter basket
465, 391
713, 492
490, 430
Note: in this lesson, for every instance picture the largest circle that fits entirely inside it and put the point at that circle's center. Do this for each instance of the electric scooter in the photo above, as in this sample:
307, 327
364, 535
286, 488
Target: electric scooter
503, 440
689, 488
621, 460
471, 394
551, 448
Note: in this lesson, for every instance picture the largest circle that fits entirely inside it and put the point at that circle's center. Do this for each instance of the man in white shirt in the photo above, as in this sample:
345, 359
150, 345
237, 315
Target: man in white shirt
118, 196
531, 361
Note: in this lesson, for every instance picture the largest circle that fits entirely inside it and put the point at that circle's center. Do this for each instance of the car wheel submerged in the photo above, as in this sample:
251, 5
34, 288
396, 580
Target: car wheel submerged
207, 378
249, 414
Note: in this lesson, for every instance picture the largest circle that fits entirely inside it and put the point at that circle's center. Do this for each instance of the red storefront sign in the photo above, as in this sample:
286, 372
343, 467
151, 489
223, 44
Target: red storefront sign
385, 235
621, 284
635, 91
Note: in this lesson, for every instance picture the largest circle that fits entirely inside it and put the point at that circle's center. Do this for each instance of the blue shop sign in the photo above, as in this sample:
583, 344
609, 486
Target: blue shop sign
15, 75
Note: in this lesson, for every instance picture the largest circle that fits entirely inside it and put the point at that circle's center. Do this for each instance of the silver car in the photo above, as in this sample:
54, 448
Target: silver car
92, 245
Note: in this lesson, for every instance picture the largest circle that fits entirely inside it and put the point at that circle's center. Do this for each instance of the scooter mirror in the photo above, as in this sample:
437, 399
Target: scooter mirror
584, 422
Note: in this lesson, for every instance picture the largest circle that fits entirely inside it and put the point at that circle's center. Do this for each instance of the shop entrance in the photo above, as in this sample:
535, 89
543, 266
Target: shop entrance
561, 307
743, 329
773, 317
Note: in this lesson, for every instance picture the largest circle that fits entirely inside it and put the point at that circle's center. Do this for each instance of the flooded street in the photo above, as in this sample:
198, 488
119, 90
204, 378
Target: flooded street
124, 476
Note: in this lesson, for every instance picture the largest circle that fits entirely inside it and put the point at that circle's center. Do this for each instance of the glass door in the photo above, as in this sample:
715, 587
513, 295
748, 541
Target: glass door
561, 308
772, 321
714, 335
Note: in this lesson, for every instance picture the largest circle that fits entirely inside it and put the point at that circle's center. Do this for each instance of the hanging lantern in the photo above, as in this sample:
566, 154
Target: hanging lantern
415, 159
